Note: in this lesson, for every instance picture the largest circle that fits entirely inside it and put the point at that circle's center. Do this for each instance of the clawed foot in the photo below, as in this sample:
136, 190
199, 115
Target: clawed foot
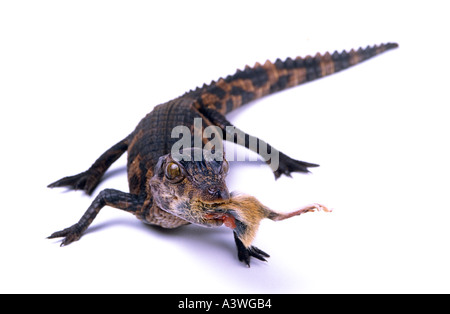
86, 181
245, 253
288, 165
70, 234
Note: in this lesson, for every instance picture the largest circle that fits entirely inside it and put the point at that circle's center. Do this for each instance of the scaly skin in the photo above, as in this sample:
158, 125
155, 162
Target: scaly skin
149, 147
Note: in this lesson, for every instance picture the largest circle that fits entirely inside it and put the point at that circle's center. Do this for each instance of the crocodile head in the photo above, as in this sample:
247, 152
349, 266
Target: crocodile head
189, 189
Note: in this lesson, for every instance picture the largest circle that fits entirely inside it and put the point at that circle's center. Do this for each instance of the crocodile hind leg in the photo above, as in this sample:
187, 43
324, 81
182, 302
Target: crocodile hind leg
279, 162
89, 179
108, 197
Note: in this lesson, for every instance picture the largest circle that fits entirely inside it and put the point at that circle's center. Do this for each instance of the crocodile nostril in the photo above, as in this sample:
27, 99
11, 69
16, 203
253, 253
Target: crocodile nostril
219, 193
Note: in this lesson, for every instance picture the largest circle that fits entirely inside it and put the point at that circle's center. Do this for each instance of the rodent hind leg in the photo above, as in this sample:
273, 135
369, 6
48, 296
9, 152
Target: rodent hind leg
277, 216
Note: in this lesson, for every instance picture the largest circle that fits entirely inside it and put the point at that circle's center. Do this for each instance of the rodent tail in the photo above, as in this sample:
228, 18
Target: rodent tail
255, 82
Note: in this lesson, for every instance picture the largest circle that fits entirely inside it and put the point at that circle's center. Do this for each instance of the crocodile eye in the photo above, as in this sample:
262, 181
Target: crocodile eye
173, 171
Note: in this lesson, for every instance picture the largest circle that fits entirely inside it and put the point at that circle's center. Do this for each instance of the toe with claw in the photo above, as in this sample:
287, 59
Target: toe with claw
70, 234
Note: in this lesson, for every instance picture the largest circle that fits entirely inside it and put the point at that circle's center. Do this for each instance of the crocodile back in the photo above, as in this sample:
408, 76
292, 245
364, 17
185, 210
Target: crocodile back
152, 139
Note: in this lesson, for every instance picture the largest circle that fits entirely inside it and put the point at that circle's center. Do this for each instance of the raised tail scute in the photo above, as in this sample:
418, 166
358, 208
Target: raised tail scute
346, 59
326, 64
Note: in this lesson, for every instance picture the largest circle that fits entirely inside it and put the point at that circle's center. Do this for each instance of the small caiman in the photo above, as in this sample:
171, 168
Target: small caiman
170, 192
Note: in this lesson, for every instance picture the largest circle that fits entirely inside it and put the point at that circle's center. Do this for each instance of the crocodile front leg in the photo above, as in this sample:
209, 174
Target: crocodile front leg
244, 253
109, 197
279, 162
89, 179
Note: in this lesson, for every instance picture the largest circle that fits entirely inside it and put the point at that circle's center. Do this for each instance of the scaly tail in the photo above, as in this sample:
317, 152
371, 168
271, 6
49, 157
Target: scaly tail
255, 82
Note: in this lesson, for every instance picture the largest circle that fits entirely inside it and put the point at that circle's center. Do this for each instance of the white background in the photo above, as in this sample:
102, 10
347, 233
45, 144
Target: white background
76, 77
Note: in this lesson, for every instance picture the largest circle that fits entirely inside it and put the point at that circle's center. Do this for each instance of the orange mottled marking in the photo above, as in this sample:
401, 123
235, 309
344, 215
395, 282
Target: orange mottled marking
327, 64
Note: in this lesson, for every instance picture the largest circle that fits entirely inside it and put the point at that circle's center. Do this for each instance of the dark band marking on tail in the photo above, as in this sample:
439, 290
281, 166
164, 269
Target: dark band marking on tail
255, 82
